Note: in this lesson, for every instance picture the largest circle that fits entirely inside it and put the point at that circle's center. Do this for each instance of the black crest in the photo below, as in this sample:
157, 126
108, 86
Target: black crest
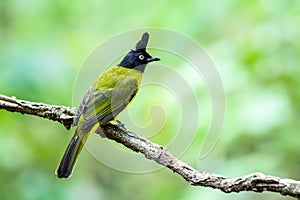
142, 44
138, 58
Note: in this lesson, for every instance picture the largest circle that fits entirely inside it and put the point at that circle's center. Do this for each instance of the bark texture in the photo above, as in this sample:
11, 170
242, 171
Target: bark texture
256, 182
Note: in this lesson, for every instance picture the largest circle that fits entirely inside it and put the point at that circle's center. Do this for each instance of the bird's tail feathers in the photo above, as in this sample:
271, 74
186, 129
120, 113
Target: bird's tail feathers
70, 156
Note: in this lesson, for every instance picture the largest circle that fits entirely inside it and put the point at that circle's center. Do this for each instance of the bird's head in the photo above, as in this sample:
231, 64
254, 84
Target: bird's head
138, 58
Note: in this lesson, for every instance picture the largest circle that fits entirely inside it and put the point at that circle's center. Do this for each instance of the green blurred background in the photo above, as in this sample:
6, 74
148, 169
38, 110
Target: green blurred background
256, 48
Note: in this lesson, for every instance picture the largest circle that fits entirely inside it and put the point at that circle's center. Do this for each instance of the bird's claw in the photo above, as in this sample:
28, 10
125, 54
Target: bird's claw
120, 123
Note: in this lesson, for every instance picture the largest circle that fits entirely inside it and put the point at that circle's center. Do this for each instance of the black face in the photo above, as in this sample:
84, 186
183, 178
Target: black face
137, 59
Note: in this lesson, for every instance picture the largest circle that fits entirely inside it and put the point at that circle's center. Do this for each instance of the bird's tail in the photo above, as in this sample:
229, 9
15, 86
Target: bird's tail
66, 165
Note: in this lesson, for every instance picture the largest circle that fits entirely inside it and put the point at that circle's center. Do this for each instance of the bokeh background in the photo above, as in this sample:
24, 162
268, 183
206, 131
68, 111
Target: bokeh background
254, 44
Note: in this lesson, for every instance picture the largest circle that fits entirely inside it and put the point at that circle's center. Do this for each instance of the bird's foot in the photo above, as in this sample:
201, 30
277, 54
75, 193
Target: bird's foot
120, 123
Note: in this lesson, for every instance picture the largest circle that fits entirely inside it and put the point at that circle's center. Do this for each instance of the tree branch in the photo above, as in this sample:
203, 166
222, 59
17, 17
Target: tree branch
62, 114
256, 182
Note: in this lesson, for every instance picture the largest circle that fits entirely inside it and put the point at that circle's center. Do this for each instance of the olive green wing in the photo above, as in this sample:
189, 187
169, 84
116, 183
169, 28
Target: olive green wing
105, 104
86, 98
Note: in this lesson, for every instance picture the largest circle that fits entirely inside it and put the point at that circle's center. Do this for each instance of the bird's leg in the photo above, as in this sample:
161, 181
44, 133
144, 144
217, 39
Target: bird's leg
100, 132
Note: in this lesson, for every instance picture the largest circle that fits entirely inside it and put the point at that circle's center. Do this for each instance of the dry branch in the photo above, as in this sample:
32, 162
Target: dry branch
256, 182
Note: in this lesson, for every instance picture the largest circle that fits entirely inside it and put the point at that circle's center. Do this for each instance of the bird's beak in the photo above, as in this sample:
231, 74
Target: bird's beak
153, 59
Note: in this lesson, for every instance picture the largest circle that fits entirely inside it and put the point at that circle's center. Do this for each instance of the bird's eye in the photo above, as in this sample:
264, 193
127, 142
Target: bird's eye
141, 57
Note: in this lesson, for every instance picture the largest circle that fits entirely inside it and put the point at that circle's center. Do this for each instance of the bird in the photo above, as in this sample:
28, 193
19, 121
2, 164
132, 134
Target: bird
109, 95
